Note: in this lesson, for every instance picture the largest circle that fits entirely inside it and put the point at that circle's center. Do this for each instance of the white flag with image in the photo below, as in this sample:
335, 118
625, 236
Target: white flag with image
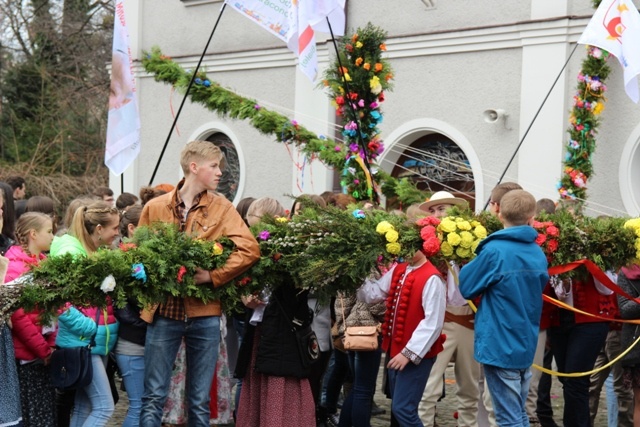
615, 27
123, 127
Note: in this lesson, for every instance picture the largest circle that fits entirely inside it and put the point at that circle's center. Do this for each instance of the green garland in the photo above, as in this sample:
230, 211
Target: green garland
588, 103
332, 153
323, 250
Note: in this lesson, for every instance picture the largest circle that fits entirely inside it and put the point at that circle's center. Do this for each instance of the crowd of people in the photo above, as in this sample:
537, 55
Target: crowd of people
179, 360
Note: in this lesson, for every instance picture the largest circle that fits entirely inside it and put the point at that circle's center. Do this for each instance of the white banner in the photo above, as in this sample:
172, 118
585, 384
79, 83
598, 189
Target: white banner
294, 22
123, 128
615, 27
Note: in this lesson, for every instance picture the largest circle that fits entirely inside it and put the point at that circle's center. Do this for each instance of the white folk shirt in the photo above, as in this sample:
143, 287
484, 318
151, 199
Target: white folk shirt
434, 300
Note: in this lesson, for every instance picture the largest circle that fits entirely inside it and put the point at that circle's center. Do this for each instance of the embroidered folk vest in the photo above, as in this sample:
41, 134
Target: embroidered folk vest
404, 309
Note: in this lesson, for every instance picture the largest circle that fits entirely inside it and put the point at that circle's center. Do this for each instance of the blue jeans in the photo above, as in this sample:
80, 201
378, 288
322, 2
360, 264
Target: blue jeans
575, 348
93, 405
356, 409
406, 388
612, 401
337, 373
202, 338
509, 389
132, 371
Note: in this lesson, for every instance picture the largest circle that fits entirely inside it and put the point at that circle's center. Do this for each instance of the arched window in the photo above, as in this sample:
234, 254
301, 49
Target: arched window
231, 172
435, 163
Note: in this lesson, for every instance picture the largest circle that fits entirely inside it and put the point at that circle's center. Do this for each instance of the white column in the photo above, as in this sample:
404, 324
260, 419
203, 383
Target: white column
543, 56
313, 110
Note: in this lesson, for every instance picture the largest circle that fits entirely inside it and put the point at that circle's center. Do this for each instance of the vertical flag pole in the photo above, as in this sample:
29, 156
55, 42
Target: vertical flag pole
193, 77
532, 122
355, 115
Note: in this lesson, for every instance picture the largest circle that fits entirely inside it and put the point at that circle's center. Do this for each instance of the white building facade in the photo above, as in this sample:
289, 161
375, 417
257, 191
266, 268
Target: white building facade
454, 62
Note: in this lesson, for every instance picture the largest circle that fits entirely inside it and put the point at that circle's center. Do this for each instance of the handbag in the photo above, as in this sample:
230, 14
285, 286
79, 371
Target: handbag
359, 338
71, 368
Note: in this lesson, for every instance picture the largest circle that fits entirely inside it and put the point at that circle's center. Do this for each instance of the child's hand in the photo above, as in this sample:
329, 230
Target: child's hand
251, 301
398, 362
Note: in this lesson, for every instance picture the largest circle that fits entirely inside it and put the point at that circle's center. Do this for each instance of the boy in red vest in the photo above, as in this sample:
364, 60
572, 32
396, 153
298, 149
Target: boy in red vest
416, 300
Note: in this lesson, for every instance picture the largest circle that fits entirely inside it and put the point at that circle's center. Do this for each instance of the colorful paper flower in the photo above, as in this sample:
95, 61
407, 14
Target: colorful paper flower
108, 284
393, 248
358, 213
264, 235
383, 227
181, 272
138, 272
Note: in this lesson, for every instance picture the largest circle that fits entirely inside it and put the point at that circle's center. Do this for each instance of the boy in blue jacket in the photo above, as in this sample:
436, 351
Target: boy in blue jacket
510, 272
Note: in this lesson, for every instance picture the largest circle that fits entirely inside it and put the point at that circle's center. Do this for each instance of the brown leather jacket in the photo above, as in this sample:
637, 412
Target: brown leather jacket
212, 218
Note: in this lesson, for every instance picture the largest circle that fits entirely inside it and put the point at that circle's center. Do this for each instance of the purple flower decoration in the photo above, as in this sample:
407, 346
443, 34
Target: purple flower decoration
264, 235
257, 107
338, 148
293, 122
353, 146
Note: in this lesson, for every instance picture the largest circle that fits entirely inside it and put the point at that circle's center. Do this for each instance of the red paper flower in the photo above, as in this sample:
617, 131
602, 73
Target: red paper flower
181, 272
431, 246
541, 239
124, 247
552, 230
429, 220
428, 232
552, 245
245, 281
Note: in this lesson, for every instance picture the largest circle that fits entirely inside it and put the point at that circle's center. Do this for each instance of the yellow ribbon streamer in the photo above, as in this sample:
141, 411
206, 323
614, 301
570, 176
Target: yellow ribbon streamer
360, 161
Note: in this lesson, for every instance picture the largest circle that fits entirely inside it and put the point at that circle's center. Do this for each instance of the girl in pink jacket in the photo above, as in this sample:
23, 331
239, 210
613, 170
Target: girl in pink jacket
33, 342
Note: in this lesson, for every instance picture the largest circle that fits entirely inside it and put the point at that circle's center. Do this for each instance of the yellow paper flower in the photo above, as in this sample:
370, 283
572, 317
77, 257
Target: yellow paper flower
282, 219
453, 239
446, 249
480, 232
217, 249
359, 45
475, 223
383, 227
392, 236
464, 225
347, 77
597, 108
466, 239
475, 246
447, 225
463, 252
375, 85
393, 248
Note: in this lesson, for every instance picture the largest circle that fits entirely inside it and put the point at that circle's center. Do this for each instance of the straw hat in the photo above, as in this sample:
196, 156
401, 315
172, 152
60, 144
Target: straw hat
442, 198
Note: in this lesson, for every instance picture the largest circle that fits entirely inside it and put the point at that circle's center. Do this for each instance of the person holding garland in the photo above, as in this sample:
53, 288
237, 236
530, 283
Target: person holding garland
415, 295
458, 347
195, 207
275, 388
92, 227
33, 341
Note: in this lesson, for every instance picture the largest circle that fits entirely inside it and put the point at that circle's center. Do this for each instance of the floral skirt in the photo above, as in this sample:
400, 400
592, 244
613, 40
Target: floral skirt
10, 412
37, 395
268, 401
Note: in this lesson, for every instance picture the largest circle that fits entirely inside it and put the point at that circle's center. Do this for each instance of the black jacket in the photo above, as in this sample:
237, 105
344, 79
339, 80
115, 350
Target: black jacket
277, 353
132, 328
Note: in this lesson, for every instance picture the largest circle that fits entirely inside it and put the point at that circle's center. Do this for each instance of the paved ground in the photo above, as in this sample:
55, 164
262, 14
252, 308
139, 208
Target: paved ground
446, 407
